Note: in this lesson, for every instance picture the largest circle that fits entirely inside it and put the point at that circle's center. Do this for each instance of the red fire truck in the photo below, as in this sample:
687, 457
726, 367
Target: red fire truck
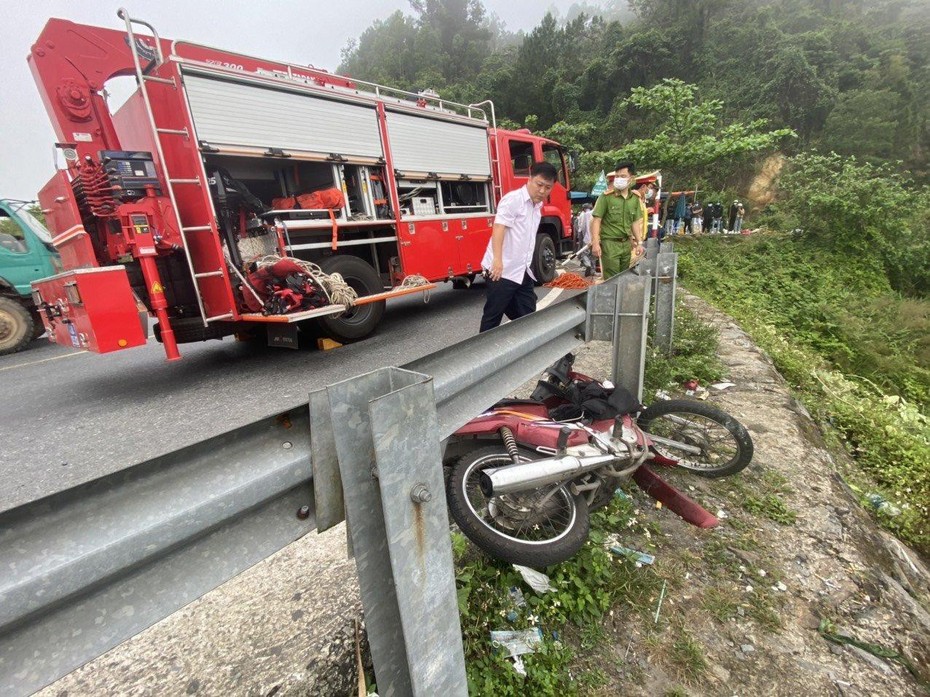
168, 202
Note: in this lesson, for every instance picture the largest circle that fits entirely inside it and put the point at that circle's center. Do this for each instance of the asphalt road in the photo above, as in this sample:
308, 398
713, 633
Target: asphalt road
69, 417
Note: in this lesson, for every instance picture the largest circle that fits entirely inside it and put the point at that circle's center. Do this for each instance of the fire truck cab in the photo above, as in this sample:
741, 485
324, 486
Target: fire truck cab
221, 165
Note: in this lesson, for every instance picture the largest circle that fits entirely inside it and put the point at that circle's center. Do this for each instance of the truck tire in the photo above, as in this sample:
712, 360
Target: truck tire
16, 326
544, 259
359, 322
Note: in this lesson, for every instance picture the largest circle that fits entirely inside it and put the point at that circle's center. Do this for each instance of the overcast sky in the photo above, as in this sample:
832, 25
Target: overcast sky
297, 31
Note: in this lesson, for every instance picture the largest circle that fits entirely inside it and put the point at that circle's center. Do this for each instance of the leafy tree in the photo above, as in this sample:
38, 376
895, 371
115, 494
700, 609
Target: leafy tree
868, 211
385, 53
688, 135
864, 124
456, 31
795, 93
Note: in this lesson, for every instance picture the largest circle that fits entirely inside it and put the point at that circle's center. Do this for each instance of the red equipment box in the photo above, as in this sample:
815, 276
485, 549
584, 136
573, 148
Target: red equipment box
92, 309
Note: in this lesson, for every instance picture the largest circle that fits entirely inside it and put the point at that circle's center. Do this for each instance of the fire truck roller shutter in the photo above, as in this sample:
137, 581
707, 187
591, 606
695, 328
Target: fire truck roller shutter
239, 114
420, 144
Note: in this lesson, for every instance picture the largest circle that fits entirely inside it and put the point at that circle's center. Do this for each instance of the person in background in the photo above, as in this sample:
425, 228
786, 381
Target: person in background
697, 218
645, 190
509, 253
584, 224
617, 225
681, 206
736, 217
717, 217
740, 214
586, 257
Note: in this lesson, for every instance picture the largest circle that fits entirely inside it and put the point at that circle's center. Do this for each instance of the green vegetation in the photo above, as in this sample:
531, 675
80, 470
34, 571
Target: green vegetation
840, 307
587, 587
694, 356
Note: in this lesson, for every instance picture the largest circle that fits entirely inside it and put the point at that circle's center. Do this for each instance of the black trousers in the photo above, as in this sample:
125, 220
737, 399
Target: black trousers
506, 297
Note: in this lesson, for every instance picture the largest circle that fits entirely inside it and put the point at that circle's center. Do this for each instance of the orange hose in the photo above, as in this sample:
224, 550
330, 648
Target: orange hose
569, 281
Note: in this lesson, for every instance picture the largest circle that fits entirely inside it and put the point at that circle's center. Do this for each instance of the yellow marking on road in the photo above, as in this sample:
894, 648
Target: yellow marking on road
44, 360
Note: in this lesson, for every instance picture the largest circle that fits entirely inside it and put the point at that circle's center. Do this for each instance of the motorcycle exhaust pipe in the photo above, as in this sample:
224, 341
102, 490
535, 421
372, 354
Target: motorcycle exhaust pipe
532, 475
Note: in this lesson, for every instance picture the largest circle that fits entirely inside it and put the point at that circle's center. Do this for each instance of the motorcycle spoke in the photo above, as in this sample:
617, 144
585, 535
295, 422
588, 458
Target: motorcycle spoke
518, 516
712, 438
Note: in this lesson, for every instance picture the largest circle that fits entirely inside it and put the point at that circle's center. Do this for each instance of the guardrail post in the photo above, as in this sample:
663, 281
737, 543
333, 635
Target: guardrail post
618, 311
630, 331
652, 247
666, 284
647, 265
390, 464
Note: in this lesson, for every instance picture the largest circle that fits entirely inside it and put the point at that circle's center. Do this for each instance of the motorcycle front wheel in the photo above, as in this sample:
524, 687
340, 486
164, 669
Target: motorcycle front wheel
685, 425
536, 528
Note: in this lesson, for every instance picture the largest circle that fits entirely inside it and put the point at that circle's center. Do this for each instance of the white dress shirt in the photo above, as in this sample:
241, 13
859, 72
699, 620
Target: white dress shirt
517, 212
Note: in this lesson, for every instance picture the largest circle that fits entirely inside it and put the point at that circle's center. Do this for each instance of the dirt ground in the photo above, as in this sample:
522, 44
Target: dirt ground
747, 605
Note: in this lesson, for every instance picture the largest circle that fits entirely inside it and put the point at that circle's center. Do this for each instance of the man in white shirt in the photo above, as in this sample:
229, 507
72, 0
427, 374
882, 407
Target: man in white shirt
507, 259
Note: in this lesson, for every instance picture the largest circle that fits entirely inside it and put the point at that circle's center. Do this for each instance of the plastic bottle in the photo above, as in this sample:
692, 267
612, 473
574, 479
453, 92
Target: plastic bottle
878, 502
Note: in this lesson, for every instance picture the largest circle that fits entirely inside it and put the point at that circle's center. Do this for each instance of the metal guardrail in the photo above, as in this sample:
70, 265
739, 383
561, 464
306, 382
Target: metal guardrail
89, 567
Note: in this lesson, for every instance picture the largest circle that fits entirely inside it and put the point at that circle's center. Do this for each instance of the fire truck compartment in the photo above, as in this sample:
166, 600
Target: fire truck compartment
91, 309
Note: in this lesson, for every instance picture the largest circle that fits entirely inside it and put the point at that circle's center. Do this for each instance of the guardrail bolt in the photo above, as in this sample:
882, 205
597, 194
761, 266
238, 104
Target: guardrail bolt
303, 512
420, 494
288, 445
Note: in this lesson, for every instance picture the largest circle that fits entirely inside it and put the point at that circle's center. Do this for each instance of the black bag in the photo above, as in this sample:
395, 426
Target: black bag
591, 400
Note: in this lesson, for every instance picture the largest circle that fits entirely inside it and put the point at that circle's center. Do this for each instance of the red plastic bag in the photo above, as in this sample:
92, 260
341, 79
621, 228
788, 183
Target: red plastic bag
330, 199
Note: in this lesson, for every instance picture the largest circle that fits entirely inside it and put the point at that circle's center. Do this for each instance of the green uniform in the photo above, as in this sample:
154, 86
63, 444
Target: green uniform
617, 216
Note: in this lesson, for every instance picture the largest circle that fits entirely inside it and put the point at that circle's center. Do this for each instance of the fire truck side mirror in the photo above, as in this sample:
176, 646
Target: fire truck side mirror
573, 161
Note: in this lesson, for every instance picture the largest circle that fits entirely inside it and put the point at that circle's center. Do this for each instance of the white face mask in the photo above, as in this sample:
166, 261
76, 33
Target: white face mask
621, 183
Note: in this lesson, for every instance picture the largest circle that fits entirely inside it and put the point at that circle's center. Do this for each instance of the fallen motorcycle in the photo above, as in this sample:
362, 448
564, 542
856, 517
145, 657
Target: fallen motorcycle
540, 465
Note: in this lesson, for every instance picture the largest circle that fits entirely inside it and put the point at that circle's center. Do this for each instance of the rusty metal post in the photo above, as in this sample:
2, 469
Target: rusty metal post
391, 470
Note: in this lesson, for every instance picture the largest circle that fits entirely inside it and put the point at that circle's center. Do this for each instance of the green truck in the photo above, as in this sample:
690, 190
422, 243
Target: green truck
26, 255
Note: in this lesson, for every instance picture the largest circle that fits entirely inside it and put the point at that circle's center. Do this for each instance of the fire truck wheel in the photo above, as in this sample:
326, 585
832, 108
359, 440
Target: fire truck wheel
358, 322
16, 326
544, 259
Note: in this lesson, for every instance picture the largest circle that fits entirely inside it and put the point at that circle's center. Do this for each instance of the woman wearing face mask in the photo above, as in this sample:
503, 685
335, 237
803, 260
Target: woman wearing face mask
617, 224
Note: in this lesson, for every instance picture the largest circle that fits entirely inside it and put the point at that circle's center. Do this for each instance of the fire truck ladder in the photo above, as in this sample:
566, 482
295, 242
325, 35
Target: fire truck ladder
493, 151
170, 183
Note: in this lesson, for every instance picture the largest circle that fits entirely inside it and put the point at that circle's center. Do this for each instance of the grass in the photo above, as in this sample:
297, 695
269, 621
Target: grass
686, 655
854, 352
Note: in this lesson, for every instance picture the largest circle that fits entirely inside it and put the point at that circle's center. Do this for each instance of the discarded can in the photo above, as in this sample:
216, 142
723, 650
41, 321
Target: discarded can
633, 555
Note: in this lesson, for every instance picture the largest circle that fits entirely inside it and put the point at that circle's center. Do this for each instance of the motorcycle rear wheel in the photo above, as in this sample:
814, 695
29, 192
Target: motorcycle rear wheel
512, 527
726, 447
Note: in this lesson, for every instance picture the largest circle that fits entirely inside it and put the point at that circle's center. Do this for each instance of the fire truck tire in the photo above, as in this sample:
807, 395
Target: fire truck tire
16, 326
544, 259
361, 321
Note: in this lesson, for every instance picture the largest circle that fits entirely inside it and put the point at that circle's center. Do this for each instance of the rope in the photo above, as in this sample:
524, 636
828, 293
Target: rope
569, 281
415, 280
334, 286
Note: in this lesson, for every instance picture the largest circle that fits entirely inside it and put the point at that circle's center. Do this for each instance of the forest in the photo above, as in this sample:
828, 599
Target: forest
844, 76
